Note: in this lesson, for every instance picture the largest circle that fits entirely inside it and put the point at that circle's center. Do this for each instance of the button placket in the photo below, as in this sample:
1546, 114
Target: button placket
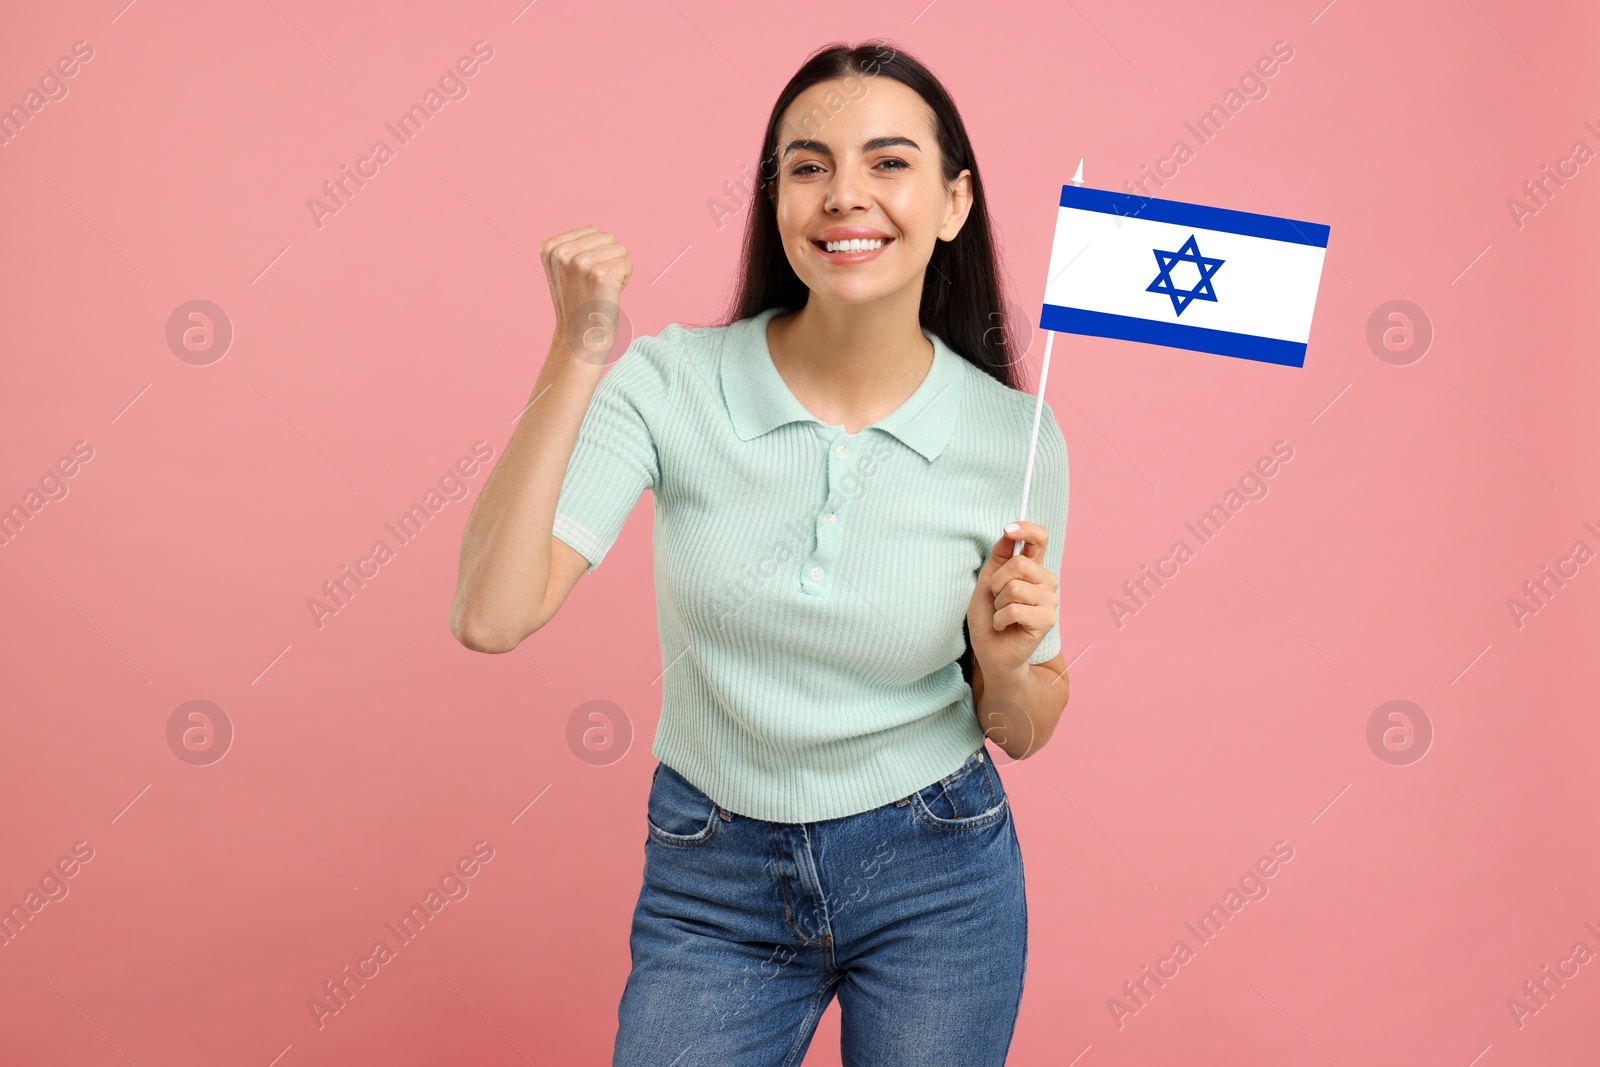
818, 569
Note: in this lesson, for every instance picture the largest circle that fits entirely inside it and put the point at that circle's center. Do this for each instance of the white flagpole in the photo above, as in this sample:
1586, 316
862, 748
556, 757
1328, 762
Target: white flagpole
1038, 409
1033, 445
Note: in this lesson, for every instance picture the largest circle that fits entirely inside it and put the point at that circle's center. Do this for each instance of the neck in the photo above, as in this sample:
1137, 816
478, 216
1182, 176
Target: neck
852, 364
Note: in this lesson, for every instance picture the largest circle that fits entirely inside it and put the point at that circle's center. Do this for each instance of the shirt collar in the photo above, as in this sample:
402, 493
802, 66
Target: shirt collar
758, 400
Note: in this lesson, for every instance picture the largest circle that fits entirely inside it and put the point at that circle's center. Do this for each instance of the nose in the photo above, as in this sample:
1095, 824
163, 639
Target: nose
843, 194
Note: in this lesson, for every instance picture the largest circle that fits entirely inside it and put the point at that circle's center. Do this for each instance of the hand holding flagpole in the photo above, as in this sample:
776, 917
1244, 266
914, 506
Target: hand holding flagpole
1038, 409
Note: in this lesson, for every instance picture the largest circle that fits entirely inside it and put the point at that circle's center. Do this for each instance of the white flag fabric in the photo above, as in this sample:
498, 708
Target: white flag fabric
1163, 272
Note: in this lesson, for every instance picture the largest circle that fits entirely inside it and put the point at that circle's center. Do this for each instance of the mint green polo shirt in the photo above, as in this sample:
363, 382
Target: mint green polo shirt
811, 584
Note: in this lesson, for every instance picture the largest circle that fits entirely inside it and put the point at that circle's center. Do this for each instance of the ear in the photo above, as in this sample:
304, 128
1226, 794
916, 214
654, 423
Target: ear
960, 206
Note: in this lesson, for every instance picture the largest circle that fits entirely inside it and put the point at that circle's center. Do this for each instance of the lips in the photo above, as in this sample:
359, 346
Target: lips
849, 250
861, 238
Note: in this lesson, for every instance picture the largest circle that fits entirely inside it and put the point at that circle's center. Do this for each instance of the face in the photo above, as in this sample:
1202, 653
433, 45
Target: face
857, 158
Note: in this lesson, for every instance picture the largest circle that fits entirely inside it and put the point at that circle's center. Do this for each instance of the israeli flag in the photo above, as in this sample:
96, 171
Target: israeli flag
1207, 279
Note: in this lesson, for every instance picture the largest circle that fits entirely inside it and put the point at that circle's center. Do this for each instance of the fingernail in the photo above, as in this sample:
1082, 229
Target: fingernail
1012, 528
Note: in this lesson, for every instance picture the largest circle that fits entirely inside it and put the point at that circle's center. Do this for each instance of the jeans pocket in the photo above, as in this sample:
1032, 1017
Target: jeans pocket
678, 813
969, 797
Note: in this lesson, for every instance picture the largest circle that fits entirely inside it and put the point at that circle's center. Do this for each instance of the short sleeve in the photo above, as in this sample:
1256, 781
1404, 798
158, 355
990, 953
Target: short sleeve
1047, 506
614, 458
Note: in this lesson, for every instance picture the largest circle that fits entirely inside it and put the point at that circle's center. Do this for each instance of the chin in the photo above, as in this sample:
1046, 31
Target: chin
858, 291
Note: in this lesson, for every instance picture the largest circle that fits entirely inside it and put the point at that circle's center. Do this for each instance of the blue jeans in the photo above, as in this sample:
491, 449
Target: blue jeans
914, 913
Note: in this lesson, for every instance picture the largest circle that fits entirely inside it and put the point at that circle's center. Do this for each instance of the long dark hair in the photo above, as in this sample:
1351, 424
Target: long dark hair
962, 298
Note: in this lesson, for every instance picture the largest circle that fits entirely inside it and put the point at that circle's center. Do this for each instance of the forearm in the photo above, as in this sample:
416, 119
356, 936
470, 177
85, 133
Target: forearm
1019, 711
504, 570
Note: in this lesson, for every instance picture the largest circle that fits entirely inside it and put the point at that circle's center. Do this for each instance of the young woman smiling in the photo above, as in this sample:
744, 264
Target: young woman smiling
835, 471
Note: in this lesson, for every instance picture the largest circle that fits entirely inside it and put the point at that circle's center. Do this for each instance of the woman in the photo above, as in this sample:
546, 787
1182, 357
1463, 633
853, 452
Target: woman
834, 469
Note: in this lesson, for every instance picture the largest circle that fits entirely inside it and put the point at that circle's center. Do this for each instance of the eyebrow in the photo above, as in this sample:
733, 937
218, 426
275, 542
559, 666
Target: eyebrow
803, 145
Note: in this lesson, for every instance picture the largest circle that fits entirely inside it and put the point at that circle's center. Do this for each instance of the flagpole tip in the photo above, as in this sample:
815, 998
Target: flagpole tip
1077, 178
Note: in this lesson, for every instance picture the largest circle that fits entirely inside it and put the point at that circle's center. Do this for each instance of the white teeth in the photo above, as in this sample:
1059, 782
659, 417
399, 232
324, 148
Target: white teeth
855, 245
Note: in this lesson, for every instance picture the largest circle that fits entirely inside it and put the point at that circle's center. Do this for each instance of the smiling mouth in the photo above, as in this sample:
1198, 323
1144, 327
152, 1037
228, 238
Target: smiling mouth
853, 245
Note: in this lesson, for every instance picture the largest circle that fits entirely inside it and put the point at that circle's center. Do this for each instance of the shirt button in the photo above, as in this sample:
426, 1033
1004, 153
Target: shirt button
827, 518
839, 451
816, 574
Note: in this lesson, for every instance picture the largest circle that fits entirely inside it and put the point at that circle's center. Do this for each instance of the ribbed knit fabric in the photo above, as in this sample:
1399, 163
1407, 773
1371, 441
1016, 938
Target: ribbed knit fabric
811, 584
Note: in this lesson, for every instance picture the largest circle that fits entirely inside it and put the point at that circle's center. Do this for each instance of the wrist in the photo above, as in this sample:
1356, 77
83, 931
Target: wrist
997, 679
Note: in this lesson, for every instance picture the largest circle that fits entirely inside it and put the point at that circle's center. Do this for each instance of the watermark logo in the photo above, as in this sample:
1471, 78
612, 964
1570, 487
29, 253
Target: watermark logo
199, 332
199, 732
1005, 722
599, 732
1399, 732
1399, 332
1016, 326
598, 332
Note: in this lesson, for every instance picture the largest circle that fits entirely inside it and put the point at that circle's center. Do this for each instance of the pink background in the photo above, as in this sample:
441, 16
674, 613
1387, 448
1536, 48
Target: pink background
369, 354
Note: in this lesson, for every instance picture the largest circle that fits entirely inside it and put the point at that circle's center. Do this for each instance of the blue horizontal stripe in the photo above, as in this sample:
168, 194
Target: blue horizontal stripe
1197, 215
1194, 338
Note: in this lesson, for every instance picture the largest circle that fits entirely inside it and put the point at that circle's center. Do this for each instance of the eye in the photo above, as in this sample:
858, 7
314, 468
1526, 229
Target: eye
903, 164
800, 170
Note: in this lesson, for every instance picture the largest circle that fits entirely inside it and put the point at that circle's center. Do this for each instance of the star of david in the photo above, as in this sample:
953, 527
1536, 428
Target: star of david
1188, 253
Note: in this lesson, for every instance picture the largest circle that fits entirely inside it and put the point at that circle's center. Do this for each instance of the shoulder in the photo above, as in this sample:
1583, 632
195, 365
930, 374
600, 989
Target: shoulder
658, 349
664, 354
675, 336
995, 408
650, 365
679, 361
